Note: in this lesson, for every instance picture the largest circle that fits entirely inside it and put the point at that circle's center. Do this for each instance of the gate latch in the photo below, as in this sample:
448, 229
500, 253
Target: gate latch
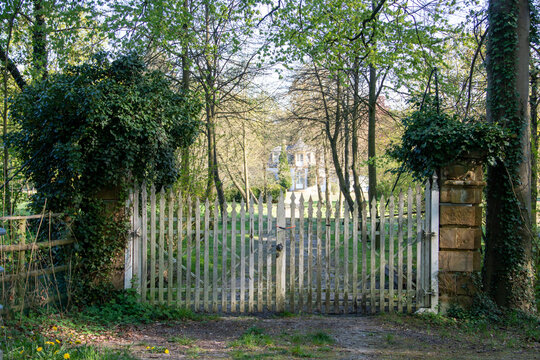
279, 247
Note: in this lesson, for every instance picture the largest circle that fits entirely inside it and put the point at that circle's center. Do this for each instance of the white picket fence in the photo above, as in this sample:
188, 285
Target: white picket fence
297, 257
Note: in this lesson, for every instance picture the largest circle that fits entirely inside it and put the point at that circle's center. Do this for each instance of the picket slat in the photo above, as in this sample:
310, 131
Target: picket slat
170, 249
215, 258
419, 300
346, 258
409, 248
337, 230
327, 256
373, 242
197, 301
242, 257
144, 243
224, 280
400, 254
281, 255
355, 258
233, 258
206, 276
189, 244
301, 253
152, 244
382, 260
161, 245
260, 277
251, 294
391, 255
136, 250
292, 252
309, 279
180, 253
364, 257
269, 254
319, 256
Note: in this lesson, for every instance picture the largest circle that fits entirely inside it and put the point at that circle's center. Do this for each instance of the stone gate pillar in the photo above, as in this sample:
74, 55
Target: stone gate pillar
460, 231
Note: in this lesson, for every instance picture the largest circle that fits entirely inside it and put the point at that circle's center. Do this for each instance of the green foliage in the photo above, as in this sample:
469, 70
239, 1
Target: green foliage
284, 172
97, 124
432, 140
274, 190
125, 307
100, 241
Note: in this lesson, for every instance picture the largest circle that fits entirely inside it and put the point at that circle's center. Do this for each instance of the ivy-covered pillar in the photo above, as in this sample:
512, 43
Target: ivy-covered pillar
112, 209
460, 231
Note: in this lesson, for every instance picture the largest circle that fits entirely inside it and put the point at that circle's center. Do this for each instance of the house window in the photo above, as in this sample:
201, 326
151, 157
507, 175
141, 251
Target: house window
300, 181
309, 158
299, 159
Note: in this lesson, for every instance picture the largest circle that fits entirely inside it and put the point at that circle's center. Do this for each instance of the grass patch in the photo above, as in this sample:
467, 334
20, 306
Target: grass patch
252, 338
182, 340
300, 351
315, 338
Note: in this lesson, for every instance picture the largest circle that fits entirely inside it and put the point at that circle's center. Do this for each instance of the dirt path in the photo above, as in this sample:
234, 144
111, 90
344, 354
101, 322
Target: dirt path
336, 337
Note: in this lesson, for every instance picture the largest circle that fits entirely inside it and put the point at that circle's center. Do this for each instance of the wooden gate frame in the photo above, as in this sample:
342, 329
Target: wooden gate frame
133, 272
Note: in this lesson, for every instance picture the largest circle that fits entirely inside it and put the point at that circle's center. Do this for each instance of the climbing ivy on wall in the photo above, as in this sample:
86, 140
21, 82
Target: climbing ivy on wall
507, 270
434, 139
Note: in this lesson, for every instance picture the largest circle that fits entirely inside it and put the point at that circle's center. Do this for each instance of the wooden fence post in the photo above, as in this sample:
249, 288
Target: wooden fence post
434, 230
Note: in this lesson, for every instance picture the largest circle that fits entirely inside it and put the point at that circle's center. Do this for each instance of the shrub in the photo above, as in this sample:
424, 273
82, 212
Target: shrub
98, 126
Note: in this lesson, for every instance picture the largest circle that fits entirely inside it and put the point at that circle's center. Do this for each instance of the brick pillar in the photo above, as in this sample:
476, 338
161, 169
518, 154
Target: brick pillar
460, 231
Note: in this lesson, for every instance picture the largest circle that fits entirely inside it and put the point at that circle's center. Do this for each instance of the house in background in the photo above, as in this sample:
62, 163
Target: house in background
302, 160
303, 163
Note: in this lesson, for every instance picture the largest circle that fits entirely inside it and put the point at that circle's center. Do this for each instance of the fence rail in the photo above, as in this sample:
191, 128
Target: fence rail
271, 257
36, 266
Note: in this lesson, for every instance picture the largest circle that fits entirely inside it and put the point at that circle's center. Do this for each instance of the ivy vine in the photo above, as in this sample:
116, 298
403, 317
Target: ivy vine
434, 139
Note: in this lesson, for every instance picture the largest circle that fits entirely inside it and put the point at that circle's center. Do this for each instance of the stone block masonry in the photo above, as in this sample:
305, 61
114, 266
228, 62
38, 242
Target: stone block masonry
460, 237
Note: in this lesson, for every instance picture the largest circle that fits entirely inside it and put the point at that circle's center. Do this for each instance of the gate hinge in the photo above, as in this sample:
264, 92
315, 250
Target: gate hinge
428, 234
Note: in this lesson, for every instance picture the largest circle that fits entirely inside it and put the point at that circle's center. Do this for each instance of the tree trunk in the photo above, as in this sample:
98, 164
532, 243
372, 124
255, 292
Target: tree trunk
244, 161
372, 102
326, 177
39, 42
317, 175
507, 273
185, 160
354, 128
534, 143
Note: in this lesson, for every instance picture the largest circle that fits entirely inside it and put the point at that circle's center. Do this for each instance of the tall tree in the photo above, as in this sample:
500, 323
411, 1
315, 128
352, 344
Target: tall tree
352, 46
508, 272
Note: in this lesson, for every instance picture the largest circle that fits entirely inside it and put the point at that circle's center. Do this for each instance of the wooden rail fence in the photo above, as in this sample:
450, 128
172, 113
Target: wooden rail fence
34, 269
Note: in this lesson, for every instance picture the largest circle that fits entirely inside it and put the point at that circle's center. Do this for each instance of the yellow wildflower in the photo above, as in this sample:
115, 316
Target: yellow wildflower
39, 349
148, 348
166, 351
77, 341
54, 328
66, 356
20, 352
58, 341
56, 352
49, 343
153, 347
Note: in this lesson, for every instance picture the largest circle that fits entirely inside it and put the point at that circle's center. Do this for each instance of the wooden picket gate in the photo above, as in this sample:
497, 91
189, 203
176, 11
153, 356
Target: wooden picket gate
295, 257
